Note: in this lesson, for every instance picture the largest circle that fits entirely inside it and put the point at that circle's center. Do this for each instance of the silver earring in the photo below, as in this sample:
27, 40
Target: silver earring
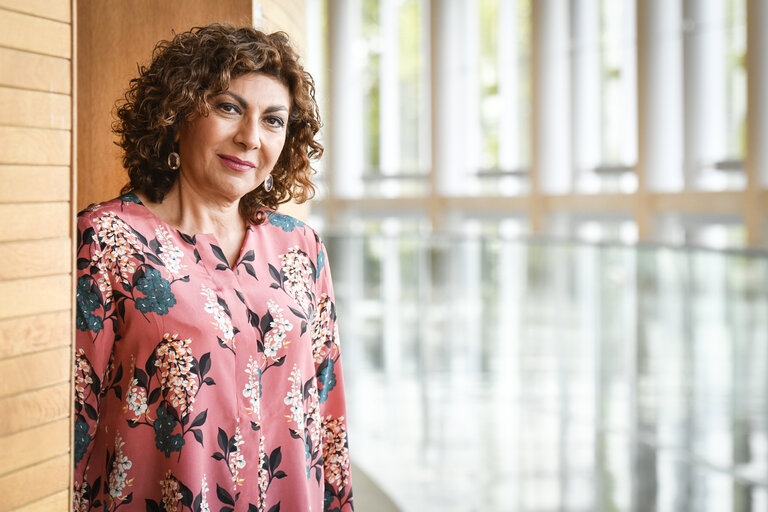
268, 183
174, 161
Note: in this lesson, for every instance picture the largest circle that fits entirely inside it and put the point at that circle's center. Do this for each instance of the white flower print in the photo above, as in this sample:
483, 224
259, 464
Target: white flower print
170, 255
274, 340
298, 274
294, 399
118, 245
83, 377
118, 477
236, 459
252, 388
80, 502
220, 318
136, 396
204, 494
173, 357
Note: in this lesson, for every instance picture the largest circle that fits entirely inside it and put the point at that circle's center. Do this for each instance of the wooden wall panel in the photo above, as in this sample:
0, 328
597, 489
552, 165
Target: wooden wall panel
35, 34
58, 502
34, 146
52, 256
32, 221
19, 107
35, 333
35, 253
35, 72
34, 408
35, 445
59, 10
35, 183
33, 371
34, 482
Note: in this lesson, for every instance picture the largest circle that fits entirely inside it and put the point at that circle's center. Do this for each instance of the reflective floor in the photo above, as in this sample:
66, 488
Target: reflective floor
491, 375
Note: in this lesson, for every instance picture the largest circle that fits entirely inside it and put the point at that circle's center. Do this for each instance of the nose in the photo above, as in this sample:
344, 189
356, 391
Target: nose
248, 135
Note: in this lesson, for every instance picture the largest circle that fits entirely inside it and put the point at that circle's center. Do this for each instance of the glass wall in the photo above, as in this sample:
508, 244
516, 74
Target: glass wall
485, 373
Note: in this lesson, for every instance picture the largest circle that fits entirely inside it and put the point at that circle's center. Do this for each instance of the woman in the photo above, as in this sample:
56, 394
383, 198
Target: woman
208, 374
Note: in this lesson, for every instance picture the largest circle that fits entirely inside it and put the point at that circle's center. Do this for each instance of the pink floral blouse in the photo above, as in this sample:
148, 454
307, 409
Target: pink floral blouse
200, 386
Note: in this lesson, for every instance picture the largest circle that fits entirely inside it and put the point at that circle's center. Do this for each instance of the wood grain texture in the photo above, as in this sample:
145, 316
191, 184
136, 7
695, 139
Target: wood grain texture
111, 41
35, 258
34, 445
35, 72
35, 34
35, 482
34, 146
34, 183
35, 109
22, 297
51, 9
34, 221
29, 334
29, 410
54, 503
34, 371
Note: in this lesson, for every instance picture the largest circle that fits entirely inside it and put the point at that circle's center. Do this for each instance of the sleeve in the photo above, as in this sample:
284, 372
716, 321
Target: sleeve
94, 338
326, 350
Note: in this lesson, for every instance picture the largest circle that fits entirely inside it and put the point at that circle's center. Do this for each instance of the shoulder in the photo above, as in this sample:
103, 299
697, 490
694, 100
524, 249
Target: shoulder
126, 207
292, 231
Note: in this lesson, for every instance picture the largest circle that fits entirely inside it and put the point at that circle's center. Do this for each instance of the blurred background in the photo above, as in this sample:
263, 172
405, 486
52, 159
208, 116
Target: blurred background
546, 220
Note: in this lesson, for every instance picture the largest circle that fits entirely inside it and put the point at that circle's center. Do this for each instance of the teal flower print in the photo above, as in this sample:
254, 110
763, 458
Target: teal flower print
320, 263
165, 440
88, 299
158, 293
130, 197
327, 379
82, 438
284, 222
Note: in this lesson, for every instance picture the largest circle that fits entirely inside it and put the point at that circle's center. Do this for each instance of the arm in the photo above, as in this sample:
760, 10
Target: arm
326, 349
94, 338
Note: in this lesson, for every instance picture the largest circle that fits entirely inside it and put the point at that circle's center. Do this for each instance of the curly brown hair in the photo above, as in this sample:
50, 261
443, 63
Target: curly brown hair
185, 73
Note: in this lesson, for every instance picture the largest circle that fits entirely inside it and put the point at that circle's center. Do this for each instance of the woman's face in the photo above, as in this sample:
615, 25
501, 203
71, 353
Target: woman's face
229, 152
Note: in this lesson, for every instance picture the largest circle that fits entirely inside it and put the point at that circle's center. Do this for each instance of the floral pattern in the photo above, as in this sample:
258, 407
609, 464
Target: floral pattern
202, 386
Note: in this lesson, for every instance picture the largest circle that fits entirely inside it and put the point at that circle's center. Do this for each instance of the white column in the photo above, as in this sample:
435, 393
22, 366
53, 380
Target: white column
705, 84
345, 125
450, 114
389, 89
509, 79
660, 95
551, 105
585, 93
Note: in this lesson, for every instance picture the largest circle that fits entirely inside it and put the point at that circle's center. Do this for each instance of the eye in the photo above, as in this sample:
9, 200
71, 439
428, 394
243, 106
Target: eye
275, 121
229, 108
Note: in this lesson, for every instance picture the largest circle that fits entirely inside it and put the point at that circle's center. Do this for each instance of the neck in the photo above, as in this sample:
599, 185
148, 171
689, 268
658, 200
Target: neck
193, 213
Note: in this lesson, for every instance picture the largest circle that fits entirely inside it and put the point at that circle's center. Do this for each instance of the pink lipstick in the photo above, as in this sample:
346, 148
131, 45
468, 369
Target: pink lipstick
236, 164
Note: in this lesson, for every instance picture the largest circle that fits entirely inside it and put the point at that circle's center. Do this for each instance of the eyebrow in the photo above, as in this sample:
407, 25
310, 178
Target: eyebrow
269, 110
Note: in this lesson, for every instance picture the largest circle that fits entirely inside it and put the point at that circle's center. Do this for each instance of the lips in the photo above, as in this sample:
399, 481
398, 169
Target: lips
235, 163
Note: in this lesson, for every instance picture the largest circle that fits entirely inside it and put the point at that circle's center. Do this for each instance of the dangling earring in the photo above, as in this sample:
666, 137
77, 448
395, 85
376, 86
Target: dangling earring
174, 161
268, 183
